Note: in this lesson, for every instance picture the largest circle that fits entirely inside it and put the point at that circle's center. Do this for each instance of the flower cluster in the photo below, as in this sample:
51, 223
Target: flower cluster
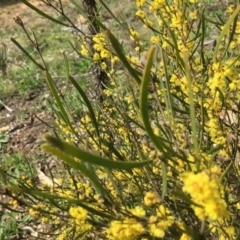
182, 66
204, 189
201, 148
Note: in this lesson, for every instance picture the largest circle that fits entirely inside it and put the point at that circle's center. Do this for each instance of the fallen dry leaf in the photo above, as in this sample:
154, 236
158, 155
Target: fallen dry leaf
32, 232
229, 117
44, 179
4, 129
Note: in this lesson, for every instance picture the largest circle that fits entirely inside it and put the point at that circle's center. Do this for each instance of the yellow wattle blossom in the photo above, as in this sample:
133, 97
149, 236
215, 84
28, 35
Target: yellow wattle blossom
78, 213
155, 39
230, 9
217, 227
141, 14
161, 222
185, 237
155, 231
193, 15
33, 212
212, 82
205, 191
134, 60
216, 209
128, 229
104, 66
63, 235
14, 203
105, 54
96, 57
156, 5
84, 50
147, 23
140, 3
138, 211
133, 34
100, 46
150, 199
44, 220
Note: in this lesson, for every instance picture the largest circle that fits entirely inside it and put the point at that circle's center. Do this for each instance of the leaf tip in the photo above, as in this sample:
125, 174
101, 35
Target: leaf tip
47, 137
44, 147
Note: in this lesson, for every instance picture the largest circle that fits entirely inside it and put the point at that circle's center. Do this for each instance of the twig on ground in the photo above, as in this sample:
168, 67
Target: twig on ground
8, 108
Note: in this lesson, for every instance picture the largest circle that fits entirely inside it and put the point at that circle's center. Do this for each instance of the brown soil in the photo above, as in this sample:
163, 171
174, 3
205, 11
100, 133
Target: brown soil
22, 126
11, 9
23, 131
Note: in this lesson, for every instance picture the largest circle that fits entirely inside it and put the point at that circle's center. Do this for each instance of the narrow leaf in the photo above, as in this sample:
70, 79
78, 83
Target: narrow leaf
26, 53
226, 29
80, 10
72, 201
3, 176
111, 147
67, 72
87, 102
144, 100
100, 24
78, 166
81, 235
58, 100
114, 184
227, 170
92, 158
117, 47
184, 197
164, 178
110, 12
192, 110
